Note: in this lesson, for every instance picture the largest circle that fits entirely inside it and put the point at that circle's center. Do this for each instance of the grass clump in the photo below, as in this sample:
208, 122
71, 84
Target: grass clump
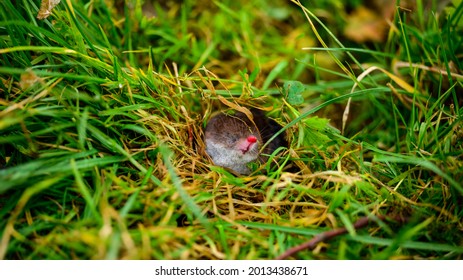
103, 106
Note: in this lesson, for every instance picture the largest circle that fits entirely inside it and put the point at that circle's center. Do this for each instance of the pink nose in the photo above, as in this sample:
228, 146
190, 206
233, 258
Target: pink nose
245, 145
252, 139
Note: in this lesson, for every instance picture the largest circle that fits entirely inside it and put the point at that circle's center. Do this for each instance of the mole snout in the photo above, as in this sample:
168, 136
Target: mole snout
248, 144
233, 140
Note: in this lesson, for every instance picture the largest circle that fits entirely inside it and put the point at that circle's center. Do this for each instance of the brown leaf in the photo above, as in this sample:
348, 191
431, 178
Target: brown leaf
28, 79
45, 8
365, 25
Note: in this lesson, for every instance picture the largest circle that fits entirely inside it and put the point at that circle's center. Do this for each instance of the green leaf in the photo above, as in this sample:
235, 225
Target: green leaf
293, 92
314, 132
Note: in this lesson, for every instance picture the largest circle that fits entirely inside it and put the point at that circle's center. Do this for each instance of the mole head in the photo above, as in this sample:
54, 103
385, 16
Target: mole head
232, 141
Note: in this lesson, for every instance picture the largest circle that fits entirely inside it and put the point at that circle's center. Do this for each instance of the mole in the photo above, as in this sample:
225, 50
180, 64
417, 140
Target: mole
233, 140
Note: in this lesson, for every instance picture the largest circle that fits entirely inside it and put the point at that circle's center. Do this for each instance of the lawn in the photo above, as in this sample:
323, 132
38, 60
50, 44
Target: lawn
104, 105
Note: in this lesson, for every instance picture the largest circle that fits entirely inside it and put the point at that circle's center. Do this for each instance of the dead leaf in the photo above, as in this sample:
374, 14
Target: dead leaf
28, 79
365, 25
45, 8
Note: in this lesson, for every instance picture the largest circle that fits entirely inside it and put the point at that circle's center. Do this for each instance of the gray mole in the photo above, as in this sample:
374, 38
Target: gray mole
233, 141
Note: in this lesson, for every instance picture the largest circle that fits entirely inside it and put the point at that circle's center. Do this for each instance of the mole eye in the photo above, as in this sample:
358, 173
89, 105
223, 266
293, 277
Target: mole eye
232, 138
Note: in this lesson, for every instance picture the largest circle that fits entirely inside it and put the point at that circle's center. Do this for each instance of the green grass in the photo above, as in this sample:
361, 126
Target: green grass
102, 116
